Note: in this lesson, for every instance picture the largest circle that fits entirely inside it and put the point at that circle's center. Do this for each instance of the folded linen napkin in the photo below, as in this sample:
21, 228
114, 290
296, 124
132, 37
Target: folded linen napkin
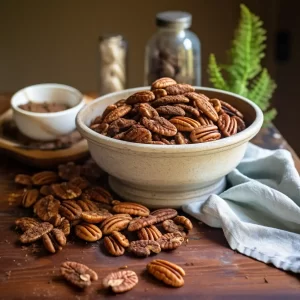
260, 212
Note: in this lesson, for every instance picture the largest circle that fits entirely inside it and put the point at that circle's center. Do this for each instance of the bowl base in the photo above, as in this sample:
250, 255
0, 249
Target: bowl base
158, 199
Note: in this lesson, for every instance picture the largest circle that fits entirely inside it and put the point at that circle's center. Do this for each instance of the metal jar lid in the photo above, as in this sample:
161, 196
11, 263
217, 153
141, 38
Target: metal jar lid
174, 19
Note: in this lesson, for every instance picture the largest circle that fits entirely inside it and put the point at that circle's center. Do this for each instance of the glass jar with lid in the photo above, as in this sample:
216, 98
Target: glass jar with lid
173, 51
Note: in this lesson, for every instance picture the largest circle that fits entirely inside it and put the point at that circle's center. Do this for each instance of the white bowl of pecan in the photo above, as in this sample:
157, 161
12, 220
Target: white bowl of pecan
169, 144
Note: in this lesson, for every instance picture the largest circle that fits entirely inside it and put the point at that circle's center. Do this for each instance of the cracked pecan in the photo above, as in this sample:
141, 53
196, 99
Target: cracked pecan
170, 226
179, 88
205, 133
121, 281
216, 104
54, 240
115, 223
180, 139
144, 248
162, 83
68, 171
112, 246
23, 179
95, 217
147, 111
189, 109
65, 227
98, 194
240, 123
170, 241
140, 97
26, 223
66, 191
47, 208
35, 233
230, 110
119, 125
44, 177
136, 134
131, 209
117, 113
88, 232
120, 238
170, 100
184, 221
149, 233
70, 210
160, 125
170, 110
159, 93
141, 222
184, 123
78, 274
227, 125
164, 214
166, 272
203, 120
30, 197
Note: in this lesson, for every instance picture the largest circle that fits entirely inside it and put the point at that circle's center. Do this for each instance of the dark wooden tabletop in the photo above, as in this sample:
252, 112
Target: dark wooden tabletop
213, 270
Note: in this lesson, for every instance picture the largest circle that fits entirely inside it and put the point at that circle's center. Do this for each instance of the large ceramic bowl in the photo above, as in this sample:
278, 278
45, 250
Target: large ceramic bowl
168, 176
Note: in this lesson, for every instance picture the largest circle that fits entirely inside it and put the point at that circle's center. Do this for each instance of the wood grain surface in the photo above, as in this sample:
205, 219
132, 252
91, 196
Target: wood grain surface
213, 270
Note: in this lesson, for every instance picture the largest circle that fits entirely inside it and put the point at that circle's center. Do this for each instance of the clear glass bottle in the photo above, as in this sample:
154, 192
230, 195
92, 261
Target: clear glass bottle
173, 51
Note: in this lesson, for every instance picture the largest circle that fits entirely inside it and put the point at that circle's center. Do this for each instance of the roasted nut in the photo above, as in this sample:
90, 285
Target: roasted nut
159, 125
97, 120
136, 134
120, 102
180, 139
45, 177
240, 123
121, 281
189, 109
98, 194
108, 109
164, 214
68, 171
184, 123
162, 83
140, 97
170, 110
230, 110
46, 190
54, 240
35, 233
203, 120
26, 223
65, 227
227, 125
115, 223
95, 217
79, 182
70, 210
170, 241
147, 111
170, 226
113, 247
216, 104
117, 113
119, 125
141, 222
131, 209
159, 93
184, 221
23, 179
167, 272
205, 133
87, 205
170, 100
47, 208
91, 170
149, 233
143, 248
100, 128
65, 190
120, 238
88, 232
30, 197
178, 89
78, 274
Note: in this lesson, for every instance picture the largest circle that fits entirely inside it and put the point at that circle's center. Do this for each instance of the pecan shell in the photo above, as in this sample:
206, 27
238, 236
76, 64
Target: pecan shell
131, 209
144, 248
170, 110
178, 89
184, 123
121, 281
30, 197
113, 247
205, 133
88, 232
149, 233
117, 113
162, 83
159, 125
164, 214
140, 97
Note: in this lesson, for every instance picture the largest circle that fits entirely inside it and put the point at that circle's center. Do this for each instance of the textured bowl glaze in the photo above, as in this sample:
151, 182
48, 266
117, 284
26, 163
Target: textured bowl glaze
170, 175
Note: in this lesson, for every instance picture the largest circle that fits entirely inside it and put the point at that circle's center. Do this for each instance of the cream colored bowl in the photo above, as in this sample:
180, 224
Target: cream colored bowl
168, 176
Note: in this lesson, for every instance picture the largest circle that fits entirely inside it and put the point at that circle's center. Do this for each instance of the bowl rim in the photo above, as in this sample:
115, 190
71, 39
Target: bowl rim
238, 138
72, 109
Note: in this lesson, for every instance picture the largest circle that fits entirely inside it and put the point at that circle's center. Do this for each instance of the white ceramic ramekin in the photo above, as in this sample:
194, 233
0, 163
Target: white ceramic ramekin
168, 175
47, 126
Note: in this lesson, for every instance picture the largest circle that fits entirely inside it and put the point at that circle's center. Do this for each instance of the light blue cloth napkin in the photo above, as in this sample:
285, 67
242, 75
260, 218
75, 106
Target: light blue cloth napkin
260, 212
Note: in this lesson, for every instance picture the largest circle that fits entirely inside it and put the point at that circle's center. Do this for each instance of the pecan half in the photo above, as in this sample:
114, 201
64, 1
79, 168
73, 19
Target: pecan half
189, 109
54, 240
120, 238
184, 221
65, 227
149, 233
68, 171
66, 190
45, 177
91, 170
227, 125
227, 108
170, 110
139, 223
166, 272
240, 123
136, 134
46, 190
144, 248
179, 88
120, 102
162, 83
78, 274
98, 194
23, 179
203, 104
119, 125
180, 139
170, 226
47, 208
131, 209
164, 214
79, 182
170, 241
147, 111
95, 217
170, 100
205, 133
35, 233
87, 205
108, 109
184, 123
216, 104
160, 125
30, 197
121, 281
117, 113
100, 128
88, 232
25, 223
70, 210
140, 97
115, 223
112, 246
159, 93
203, 120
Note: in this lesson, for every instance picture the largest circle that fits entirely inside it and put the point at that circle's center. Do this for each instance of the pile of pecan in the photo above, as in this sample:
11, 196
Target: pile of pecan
170, 114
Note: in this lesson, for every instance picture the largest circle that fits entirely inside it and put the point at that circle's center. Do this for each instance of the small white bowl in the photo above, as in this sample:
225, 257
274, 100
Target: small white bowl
47, 126
168, 175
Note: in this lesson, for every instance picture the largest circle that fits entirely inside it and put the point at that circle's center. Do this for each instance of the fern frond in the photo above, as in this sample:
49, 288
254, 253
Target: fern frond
215, 75
269, 116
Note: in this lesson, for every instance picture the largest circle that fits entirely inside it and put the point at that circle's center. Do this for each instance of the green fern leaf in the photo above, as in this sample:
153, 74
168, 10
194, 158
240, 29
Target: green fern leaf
269, 116
216, 77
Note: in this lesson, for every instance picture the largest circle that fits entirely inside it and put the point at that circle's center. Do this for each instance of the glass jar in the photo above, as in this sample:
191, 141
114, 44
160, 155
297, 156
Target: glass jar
112, 63
173, 51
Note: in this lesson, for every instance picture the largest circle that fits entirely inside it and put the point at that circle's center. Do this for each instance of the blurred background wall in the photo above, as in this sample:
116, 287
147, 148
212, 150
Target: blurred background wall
56, 41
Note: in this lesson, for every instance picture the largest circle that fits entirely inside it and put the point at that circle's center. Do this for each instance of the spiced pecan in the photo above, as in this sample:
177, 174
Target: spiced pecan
78, 274
35, 233
97, 120
184, 221
178, 89
184, 123
30, 197
98, 194
162, 83
108, 109
23, 179
189, 109
54, 240
240, 123
203, 120
227, 125
180, 139
216, 104
88, 232
160, 125
170, 226
136, 134
170, 100
120, 238
159, 93
170, 241
119, 125
87, 205
121, 281
149, 233
203, 104
25, 223
46, 190
120, 102
166, 272
68, 171
115, 223
66, 190
47, 208
100, 128
70, 210
164, 214
229, 109
147, 111
44, 177
65, 227
131, 209
141, 222
205, 133
170, 110
112, 246
156, 143
117, 113
144, 248
95, 217
140, 97
79, 182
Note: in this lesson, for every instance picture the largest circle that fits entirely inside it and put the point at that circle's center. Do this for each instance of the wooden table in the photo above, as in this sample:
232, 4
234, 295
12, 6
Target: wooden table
214, 271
